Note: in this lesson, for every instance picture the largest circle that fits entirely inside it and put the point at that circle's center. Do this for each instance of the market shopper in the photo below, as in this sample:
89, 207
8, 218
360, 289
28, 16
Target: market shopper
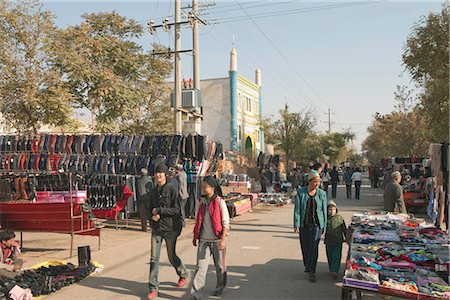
335, 236
393, 195
166, 226
357, 179
210, 234
10, 263
334, 175
348, 182
310, 218
144, 188
183, 190
326, 181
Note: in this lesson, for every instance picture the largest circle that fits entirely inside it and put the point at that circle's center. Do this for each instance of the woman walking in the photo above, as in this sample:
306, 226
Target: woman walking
310, 219
210, 233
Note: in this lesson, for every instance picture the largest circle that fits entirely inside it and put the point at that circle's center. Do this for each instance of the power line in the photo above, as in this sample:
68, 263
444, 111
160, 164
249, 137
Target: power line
267, 59
281, 54
296, 11
262, 59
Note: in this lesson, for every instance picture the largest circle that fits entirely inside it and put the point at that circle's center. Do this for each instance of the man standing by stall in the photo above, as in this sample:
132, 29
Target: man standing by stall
183, 189
166, 225
393, 195
144, 189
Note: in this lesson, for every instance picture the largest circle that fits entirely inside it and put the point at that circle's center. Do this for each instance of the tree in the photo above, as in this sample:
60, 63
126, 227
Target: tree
402, 133
290, 133
426, 58
32, 94
112, 76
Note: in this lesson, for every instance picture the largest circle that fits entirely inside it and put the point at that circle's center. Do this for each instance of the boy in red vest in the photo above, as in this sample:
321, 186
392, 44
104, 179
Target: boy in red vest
210, 233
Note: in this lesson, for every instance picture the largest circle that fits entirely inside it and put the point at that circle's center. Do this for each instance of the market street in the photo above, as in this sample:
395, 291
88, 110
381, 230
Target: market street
263, 256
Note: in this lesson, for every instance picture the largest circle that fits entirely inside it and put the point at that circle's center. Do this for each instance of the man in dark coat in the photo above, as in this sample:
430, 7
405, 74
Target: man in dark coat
393, 195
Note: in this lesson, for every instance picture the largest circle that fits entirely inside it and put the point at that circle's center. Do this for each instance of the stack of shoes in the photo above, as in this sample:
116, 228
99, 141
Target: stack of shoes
46, 280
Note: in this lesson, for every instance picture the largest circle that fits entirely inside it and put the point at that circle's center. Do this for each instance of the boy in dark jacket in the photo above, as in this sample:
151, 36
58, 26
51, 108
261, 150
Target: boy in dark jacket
166, 226
334, 237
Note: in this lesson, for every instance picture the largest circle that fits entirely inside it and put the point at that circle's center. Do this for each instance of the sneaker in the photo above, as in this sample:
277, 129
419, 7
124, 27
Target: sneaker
152, 295
182, 282
312, 277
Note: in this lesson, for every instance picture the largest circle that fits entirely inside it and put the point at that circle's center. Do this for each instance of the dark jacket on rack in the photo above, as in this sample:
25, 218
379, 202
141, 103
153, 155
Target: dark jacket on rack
166, 200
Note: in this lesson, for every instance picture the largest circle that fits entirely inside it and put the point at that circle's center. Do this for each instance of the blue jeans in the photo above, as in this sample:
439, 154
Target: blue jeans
309, 242
334, 189
357, 189
171, 243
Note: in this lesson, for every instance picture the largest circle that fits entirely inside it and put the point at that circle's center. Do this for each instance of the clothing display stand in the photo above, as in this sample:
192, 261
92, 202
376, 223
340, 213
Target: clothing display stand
68, 217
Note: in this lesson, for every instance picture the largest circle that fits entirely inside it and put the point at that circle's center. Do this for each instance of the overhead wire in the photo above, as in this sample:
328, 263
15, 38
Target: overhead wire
296, 11
267, 59
282, 55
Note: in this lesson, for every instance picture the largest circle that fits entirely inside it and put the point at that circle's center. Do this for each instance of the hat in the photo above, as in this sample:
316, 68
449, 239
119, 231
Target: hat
395, 174
179, 167
144, 171
212, 182
332, 203
313, 175
162, 169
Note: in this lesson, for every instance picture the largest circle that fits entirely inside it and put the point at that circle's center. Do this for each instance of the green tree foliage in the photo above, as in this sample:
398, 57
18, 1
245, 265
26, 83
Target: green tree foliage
111, 75
402, 133
426, 57
32, 94
291, 132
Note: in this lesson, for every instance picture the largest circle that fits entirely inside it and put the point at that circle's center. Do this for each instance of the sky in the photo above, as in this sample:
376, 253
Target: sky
342, 56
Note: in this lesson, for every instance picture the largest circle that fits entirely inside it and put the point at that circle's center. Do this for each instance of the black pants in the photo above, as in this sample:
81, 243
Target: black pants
325, 187
309, 242
357, 189
333, 189
349, 190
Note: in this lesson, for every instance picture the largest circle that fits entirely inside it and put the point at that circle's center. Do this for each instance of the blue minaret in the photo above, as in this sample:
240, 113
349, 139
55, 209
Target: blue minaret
261, 128
233, 99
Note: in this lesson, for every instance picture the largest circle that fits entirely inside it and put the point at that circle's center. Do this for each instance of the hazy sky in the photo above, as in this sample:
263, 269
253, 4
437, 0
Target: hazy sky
345, 56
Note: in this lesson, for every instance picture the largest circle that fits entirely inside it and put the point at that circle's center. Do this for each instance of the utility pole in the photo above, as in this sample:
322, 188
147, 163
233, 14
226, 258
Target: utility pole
195, 45
329, 120
166, 25
177, 104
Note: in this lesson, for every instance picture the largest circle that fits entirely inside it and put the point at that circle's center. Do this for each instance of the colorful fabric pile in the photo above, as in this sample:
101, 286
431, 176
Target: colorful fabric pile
398, 254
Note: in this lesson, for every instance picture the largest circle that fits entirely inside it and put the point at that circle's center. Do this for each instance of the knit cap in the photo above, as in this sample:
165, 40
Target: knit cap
332, 203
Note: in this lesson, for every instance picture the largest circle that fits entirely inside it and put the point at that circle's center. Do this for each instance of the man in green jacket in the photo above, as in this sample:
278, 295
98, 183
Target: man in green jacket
310, 219
393, 195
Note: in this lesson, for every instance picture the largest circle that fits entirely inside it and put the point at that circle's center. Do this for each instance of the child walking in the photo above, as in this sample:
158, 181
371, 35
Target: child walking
210, 234
334, 237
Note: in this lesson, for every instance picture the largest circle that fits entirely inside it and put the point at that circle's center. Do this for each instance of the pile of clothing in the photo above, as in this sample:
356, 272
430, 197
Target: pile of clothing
45, 280
399, 255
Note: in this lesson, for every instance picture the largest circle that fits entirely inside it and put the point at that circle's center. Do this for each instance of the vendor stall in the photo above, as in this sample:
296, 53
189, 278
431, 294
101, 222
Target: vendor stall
396, 254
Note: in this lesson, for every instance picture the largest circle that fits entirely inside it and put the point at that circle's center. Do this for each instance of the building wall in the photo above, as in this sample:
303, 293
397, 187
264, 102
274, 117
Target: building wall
248, 115
216, 110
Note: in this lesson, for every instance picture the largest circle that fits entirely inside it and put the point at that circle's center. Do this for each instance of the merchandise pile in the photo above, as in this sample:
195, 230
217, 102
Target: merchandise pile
397, 254
45, 279
278, 199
